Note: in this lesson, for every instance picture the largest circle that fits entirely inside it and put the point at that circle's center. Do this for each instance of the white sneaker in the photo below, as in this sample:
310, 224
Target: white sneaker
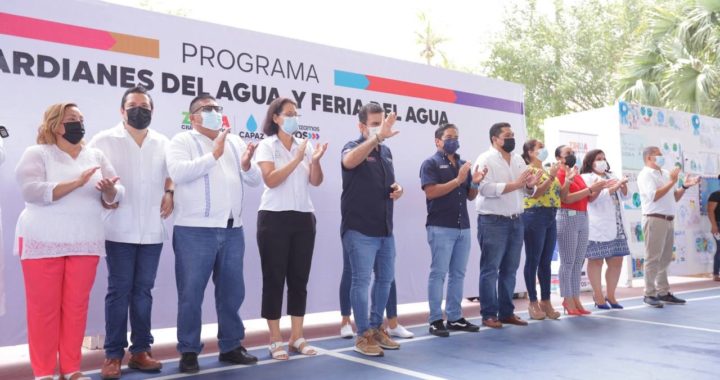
400, 332
346, 331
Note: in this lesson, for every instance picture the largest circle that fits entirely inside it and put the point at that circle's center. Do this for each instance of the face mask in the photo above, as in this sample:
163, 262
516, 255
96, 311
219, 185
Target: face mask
600, 166
508, 145
290, 125
372, 131
211, 120
74, 132
570, 160
138, 117
660, 161
450, 146
542, 154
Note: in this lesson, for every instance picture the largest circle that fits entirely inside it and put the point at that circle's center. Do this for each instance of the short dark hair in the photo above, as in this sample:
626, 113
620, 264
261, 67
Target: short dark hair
496, 129
587, 165
136, 90
270, 128
442, 128
367, 109
558, 150
527, 147
193, 103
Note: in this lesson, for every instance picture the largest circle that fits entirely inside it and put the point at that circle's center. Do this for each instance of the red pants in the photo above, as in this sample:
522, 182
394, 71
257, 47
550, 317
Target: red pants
57, 292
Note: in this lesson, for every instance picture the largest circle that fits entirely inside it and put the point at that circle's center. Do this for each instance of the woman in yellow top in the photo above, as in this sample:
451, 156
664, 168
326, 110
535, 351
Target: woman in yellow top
540, 231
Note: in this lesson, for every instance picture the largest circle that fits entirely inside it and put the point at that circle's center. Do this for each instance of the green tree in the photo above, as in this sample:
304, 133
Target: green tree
567, 59
676, 66
430, 41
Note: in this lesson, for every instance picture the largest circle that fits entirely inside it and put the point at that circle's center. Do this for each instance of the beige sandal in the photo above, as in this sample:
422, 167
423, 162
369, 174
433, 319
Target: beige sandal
301, 347
277, 351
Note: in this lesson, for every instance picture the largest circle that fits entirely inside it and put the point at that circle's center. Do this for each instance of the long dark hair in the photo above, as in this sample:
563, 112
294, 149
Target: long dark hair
269, 127
587, 165
527, 147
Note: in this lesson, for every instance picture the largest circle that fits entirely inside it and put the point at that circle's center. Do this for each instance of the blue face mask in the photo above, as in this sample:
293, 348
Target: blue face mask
450, 146
290, 125
660, 161
212, 120
542, 154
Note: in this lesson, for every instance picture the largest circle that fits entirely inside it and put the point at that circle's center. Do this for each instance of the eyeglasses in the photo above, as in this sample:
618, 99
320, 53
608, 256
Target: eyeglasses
209, 108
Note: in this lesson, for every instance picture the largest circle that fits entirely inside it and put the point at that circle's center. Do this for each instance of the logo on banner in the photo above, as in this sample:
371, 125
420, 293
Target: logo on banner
309, 132
251, 130
186, 125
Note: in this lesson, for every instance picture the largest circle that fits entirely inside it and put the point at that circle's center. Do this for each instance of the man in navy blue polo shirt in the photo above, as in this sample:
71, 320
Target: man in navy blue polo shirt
448, 185
369, 190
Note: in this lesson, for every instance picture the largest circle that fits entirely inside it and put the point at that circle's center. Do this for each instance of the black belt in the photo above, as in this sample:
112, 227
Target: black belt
230, 223
661, 216
511, 217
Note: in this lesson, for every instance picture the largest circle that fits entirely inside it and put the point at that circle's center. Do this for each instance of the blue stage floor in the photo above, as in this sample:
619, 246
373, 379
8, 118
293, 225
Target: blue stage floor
675, 342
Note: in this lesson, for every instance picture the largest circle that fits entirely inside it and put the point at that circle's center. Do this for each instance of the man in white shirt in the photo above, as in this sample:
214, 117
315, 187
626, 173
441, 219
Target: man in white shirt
500, 230
2, 257
134, 231
658, 194
210, 167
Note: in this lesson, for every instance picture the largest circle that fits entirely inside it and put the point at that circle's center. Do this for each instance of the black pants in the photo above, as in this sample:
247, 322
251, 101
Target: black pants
286, 240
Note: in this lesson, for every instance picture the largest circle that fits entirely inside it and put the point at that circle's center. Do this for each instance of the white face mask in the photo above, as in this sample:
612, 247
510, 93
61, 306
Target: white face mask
372, 131
600, 166
211, 120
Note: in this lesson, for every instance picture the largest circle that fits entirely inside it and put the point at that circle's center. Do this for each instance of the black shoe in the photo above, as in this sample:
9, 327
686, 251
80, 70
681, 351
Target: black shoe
438, 328
652, 301
238, 356
462, 325
671, 299
189, 363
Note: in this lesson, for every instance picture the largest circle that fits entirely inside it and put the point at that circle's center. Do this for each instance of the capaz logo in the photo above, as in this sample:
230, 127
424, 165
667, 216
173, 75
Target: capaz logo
251, 126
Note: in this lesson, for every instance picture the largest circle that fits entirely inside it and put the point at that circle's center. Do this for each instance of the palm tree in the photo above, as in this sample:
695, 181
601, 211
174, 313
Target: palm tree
429, 40
677, 67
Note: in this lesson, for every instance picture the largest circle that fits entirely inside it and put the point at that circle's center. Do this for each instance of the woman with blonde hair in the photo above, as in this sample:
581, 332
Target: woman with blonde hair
59, 237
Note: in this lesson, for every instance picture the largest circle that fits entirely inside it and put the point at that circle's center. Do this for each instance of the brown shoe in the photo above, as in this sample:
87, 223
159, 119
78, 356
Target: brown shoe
366, 344
550, 312
383, 340
111, 369
143, 361
535, 311
513, 320
491, 322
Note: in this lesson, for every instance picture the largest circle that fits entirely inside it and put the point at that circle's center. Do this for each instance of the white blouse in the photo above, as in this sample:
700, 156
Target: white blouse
601, 211
73, 224
293, 194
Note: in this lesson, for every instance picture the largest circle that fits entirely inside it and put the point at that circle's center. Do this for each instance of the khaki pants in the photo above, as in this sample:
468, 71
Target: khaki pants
659, 236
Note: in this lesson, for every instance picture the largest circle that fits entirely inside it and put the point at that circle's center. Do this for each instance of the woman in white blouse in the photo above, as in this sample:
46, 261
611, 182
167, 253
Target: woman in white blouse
59, 236
607, 239
286, 224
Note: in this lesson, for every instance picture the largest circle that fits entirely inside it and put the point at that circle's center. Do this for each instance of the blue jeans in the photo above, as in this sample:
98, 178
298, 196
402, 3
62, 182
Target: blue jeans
716, 259
540, 237
346, 281
501, 241
131, 276
450, 249
368, 254
200, 252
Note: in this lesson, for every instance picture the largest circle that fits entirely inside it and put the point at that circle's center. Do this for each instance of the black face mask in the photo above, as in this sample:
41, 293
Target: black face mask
138, 117
509, 145
74, 132
570, 160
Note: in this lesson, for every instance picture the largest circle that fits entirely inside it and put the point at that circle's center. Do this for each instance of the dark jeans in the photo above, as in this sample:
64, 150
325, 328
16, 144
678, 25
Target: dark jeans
716, 261
286, 240
501, 241
540, 237
346, 281
131, 276
199, 253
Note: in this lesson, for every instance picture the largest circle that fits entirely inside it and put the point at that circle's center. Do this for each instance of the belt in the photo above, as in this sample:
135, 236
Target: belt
511, 217
661, 216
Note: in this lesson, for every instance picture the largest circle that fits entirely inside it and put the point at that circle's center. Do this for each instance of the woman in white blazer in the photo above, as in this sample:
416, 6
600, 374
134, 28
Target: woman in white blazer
607, 240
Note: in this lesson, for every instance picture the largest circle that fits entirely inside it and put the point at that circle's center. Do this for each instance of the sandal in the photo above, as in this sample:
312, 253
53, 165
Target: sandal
277, 351
301, 347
